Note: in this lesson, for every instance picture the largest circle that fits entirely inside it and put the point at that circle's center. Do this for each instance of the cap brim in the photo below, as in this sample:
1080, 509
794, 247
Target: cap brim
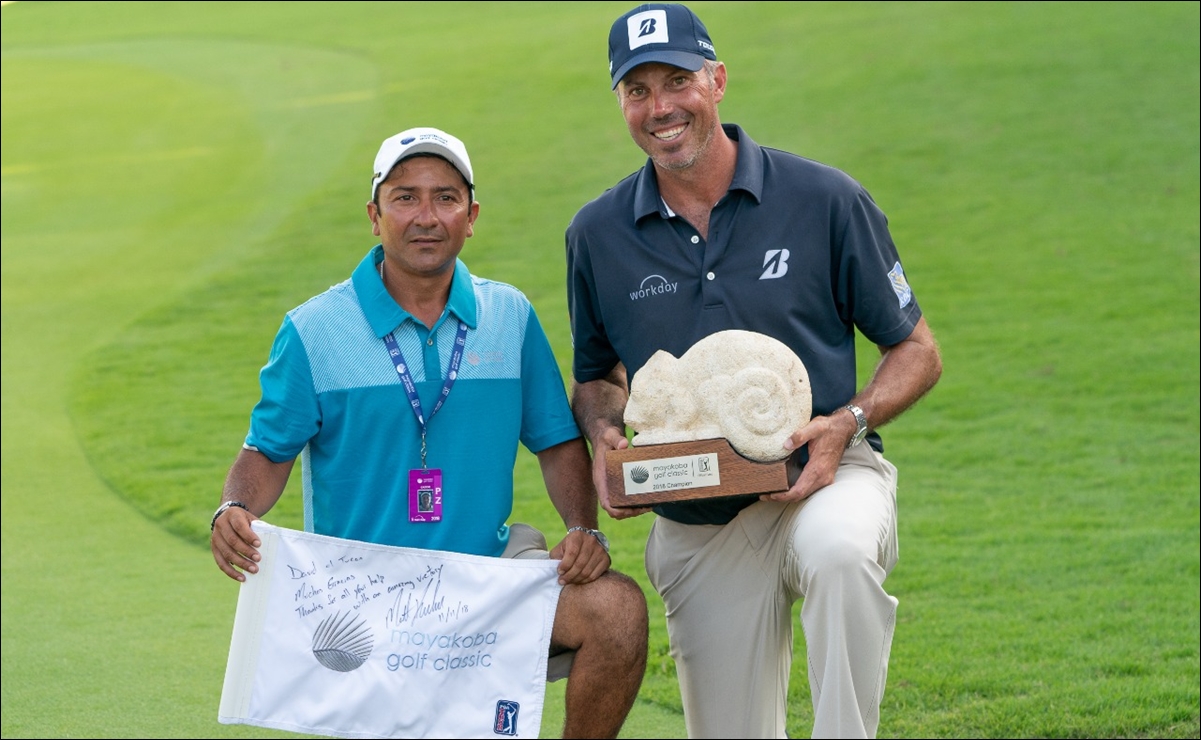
682, 59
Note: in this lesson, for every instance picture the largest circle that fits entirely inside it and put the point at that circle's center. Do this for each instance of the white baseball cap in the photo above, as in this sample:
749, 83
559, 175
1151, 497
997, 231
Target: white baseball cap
417, 141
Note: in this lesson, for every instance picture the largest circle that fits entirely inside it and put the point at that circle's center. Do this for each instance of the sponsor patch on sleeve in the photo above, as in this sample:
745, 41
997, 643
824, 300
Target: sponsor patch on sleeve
900, 286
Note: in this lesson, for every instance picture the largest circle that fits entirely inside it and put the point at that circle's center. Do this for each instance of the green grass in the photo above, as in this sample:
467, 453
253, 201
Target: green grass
177, 176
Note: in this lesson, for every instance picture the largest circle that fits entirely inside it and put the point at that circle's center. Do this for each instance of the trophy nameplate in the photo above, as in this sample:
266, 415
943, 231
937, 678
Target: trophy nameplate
687, 471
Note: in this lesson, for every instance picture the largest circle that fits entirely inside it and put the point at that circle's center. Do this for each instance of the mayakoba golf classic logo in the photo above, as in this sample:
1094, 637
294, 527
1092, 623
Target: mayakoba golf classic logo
343, 642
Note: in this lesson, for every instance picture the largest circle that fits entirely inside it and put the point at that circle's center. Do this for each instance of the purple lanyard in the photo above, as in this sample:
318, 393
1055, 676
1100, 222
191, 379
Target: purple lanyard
406, 379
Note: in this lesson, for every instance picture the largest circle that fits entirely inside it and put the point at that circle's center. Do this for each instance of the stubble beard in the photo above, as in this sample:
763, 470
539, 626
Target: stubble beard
679, 165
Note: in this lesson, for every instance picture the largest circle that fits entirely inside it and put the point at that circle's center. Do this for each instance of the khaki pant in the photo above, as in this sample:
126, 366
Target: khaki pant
729, 590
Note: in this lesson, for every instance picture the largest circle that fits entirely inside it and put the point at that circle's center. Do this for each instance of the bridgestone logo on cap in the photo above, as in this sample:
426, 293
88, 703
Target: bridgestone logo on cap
647, 28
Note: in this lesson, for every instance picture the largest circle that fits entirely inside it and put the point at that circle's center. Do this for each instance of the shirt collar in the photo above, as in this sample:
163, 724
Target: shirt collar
748, 176
383, 313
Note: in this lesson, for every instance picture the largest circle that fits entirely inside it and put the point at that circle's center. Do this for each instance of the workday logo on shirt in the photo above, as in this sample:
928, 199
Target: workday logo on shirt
653, 285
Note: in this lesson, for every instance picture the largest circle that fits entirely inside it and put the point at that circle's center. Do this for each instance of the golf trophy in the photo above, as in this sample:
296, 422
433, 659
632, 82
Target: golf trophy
711, 423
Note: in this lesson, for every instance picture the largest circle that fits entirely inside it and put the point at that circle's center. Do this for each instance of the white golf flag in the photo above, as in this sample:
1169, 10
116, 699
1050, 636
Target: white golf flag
348, 639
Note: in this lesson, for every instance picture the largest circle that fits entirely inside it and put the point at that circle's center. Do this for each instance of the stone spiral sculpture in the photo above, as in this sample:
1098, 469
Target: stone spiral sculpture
743, 386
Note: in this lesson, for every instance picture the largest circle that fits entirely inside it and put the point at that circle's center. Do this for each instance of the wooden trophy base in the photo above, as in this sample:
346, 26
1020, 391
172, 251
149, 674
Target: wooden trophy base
687, 471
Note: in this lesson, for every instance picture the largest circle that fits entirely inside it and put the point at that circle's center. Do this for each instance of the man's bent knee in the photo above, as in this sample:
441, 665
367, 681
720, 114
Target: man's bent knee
612, 608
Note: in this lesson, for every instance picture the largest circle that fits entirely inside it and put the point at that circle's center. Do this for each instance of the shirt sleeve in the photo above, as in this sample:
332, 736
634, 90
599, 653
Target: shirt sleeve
873, 292
288, 414
546, 418
593, 356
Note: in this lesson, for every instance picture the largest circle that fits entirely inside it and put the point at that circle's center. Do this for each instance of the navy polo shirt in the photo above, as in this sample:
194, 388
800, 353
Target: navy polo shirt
797, 250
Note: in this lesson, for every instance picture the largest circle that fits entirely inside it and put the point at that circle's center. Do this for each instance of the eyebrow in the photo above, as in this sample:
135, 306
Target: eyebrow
438, 189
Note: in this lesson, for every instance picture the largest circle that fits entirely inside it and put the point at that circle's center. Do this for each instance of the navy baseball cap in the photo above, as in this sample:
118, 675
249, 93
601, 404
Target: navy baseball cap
658, 32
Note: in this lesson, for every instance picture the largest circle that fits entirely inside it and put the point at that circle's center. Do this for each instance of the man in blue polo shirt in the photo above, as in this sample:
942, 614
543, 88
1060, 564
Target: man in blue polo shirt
405, 391
715, 233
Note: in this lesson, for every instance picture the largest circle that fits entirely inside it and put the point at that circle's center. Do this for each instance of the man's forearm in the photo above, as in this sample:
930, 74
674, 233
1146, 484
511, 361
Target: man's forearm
599, 405
256, 481
566, 470
907, 371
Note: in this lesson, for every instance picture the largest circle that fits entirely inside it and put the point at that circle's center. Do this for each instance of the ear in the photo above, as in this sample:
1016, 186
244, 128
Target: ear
472, 215
719, 82
373, 214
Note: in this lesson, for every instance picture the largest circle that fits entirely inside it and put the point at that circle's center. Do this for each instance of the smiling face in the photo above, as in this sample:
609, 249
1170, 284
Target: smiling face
424, 215
672, 113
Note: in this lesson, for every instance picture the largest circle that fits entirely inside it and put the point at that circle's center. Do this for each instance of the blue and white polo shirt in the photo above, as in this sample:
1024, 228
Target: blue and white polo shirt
331, 394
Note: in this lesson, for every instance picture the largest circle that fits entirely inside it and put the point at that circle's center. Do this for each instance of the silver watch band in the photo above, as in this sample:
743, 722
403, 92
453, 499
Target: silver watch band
860, 422
599, 535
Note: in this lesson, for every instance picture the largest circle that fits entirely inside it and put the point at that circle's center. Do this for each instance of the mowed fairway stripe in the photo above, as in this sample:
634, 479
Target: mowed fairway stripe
113, 161
110, 211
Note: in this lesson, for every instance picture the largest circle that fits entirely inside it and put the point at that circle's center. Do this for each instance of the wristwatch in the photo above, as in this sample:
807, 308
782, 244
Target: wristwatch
861, 421
599, 535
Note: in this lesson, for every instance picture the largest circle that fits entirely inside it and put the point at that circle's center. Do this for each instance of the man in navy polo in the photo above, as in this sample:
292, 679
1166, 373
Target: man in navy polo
715, 233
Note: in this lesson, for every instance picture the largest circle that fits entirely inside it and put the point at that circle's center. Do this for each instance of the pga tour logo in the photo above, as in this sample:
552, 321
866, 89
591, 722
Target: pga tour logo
506, 717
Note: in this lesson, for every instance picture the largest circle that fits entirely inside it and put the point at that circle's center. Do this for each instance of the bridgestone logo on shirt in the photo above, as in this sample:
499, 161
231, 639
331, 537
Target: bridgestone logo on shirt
652, 286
